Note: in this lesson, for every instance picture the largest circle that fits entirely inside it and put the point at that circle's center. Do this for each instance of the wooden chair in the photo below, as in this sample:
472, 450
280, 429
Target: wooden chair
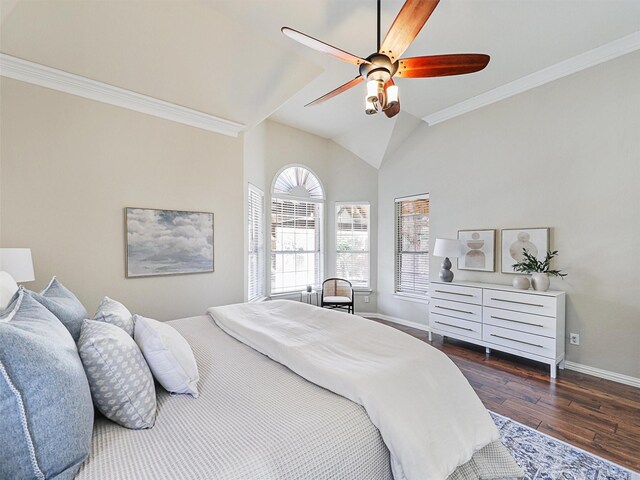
337, 293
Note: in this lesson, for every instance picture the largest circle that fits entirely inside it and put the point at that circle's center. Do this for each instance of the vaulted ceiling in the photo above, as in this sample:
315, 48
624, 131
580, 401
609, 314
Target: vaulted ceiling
229, 59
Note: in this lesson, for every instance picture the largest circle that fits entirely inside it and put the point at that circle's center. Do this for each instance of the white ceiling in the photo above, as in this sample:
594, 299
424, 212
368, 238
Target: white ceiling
228, 57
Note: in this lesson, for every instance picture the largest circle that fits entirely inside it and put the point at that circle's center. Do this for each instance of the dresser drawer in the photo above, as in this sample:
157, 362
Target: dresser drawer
465, 311
524, 342
520, 302
457, 293
523, 322
456, 326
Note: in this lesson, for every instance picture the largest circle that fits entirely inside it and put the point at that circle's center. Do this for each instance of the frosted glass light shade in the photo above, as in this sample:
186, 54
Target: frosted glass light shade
373, 87
370, 108
17, 262
392, 95
446, 247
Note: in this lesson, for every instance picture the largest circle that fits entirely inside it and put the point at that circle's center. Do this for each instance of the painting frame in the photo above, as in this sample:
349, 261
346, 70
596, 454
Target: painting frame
200, 225
540, 237
485, 239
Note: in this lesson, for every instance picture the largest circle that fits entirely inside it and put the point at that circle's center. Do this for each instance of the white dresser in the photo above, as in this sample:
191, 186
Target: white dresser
521, 322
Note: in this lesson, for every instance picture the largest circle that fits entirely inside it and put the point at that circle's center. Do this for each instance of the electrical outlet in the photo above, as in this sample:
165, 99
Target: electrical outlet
366, 299
574, 338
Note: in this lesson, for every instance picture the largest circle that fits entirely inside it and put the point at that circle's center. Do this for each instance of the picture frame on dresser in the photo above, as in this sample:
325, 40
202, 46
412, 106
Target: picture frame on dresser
479, 250
513, 240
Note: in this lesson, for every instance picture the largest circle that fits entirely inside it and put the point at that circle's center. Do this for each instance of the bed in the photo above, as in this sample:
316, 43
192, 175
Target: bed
255, 419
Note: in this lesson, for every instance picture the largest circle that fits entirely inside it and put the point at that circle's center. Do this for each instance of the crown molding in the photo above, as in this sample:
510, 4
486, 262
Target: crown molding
598, 55
37, 74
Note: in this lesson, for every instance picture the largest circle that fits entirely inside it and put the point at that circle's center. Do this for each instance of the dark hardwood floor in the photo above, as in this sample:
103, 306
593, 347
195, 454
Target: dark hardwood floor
594, 414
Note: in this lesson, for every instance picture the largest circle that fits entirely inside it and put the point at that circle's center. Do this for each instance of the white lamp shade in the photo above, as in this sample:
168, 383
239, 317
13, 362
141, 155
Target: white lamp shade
446, 247
17, 263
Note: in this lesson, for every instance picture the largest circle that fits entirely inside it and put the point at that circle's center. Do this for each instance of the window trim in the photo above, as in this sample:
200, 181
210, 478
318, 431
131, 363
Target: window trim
400, 295
359, 288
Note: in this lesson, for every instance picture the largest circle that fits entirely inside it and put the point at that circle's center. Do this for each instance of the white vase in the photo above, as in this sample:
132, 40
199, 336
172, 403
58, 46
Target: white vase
521, 282
540, 281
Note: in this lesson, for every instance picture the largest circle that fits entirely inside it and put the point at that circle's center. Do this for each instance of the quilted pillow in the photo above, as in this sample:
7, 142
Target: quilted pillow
120, 381
64, 305
8, 288
168, 355
115, 313
46, 413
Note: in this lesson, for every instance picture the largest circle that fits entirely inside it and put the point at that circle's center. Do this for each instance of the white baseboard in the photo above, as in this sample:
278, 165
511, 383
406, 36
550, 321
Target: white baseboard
400, 321
607, 375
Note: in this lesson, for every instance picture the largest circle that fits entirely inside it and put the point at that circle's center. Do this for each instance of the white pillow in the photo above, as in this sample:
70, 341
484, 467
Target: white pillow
168, 355
8, 288
115, 313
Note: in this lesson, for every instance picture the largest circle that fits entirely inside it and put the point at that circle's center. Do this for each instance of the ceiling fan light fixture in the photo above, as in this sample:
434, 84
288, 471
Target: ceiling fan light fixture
392, 96
370, 108
374, 87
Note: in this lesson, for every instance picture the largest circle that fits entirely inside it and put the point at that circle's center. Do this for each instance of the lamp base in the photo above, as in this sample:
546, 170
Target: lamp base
446, 275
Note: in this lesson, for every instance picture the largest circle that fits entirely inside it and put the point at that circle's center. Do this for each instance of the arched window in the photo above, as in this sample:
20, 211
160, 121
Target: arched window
297, 200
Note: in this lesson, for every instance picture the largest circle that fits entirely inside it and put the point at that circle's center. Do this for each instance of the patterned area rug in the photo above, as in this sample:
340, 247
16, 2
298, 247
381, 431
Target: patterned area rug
545, 458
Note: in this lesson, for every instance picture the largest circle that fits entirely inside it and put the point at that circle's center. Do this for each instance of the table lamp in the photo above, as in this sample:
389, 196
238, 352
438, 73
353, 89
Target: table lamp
17, 262
446, 247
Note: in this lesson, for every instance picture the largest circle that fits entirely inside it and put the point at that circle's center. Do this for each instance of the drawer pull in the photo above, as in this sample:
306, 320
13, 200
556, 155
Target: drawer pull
454, 293
455, 326
518, 321
519, 341
519, 303
454, 309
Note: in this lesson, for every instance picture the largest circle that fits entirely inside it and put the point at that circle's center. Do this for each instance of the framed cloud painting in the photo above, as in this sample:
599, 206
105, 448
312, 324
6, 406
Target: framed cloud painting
167, 242
479, 250
514, 240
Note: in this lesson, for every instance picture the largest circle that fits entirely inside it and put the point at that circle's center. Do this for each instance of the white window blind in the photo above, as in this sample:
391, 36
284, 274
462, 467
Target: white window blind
352, 243
412, 245
295, 245
255, 229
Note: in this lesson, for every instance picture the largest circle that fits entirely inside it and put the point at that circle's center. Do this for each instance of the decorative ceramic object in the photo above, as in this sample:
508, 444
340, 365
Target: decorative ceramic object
309, 288
446, 275
521, 282
540, 281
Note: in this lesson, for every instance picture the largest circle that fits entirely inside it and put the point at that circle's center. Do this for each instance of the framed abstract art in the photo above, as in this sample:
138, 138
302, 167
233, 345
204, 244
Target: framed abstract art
515, 240
479, 250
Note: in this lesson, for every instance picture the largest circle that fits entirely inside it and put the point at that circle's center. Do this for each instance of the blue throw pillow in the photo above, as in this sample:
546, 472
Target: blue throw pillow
46, 412
64, 305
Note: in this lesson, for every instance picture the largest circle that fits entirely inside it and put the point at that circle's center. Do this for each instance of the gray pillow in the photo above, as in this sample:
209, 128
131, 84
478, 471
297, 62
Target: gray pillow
64, 305
120, 380
46, 413
115, 313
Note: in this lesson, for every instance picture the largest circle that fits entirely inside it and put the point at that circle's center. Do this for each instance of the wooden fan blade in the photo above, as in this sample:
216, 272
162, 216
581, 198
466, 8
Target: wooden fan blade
337, 91
405, 28
441, 65
321, 46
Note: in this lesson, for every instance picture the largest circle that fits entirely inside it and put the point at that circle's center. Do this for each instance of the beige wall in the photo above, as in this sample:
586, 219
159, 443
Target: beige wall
70, 166
565, 155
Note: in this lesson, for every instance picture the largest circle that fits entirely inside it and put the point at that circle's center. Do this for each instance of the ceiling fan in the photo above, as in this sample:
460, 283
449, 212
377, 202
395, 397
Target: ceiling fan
379, 68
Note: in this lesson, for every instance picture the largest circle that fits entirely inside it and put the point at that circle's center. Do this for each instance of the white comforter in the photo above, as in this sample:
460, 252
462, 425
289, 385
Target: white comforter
427, 413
